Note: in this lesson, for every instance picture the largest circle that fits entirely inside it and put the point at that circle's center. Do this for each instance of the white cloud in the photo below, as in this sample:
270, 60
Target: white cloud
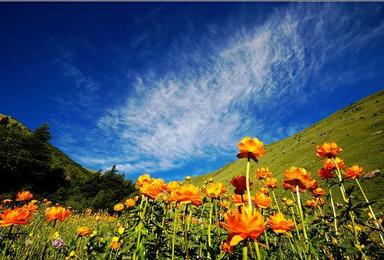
212, 98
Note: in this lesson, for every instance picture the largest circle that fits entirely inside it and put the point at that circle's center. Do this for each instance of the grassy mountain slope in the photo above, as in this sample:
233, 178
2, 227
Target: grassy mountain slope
59, 159
358, 129
28, 161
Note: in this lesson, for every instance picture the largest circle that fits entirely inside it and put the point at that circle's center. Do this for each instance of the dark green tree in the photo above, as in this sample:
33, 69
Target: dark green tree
42, 133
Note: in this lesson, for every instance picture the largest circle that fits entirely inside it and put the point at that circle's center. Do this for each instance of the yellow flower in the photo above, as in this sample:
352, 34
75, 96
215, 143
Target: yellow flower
115, 243
279, 223
130, 202
288, 202
120, 230
215, 190
261, 200
83, 231
118, 207
145, 178
55, 235
154, 189
173, 185
262, 173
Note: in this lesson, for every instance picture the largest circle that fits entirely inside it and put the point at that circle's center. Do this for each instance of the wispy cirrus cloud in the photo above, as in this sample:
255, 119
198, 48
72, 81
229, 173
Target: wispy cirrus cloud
211, 97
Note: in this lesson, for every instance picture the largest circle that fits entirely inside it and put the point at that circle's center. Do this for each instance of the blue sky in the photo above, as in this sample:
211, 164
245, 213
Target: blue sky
171, 88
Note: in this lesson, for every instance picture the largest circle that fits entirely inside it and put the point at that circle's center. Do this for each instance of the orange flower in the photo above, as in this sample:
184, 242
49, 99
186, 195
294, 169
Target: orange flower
240, 184
247, 224
312, 184
16, 216
145, 178
353, 172
270, 183
83, 231
215, 190
297, 177
31, 206
311, 204
264, 190
23, 196
226, 247
115, 243
187, 193
239, 200
318, 192
57, 213
153, 189
251, 148
320, 201
262, 201
224, 204
325, 173
118, 207
330, 165
328, 150
173, 185
279, 223
130, 202
262, 173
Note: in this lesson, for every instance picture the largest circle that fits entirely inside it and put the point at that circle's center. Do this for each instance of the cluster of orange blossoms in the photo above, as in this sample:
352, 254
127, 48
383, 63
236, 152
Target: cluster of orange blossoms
178, 192
329, 152
22, 215
244, 222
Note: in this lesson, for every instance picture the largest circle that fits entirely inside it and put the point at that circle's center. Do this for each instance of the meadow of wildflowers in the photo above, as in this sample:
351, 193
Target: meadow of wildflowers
178, 220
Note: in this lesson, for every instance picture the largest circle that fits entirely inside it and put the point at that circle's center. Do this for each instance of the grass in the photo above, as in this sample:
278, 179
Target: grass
358, 129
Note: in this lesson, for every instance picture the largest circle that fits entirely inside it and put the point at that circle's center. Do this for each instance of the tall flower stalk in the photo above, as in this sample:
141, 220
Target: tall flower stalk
248, 186
333, 210
370, 209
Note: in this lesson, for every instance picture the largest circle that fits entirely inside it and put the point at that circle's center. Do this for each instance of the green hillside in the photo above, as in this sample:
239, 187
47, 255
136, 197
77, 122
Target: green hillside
358, 129
58, 159
29, 162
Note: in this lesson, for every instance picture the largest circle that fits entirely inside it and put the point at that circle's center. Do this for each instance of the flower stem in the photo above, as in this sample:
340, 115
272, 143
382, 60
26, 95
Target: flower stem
209, 225
370, 209
186, 232
274, 197
333, 210
301, 212
294, 221
247, 183
174, 233
245, 253
341, 185
257, 250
